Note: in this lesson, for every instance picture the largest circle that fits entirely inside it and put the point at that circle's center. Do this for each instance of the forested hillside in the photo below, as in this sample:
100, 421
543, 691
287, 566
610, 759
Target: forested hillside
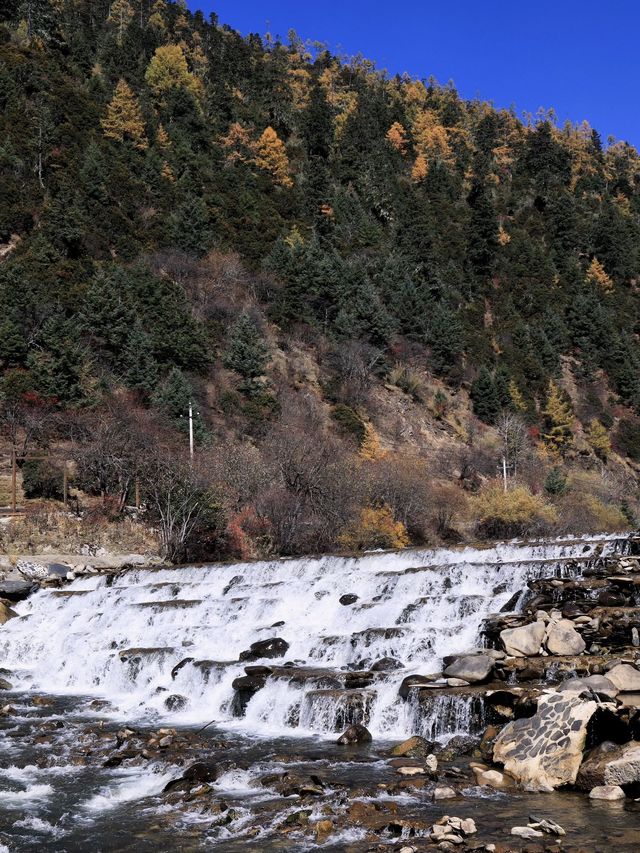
371, 289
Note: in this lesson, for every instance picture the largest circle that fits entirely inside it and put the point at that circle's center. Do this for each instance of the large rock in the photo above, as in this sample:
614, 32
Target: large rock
524, 641
16, 590
414, 747
607, 792
6, 612
275, 647
545, 751
563, 639
598, 684
625, 677
471, 668
356, 733
610, 764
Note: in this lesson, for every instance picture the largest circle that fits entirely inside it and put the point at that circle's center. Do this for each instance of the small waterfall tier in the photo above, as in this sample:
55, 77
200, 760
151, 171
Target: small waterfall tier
304, 646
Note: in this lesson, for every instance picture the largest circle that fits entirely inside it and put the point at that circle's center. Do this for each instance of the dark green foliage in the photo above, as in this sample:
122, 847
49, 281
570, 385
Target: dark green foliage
247, 352
41, 479
350, 421
627, 438
486, 254
485, 397
556, 482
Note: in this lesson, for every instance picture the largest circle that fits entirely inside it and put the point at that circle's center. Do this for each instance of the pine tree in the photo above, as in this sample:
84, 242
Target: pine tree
123, 121
138, 363
247, 352
446, 340
271, 155
486, 403
174, 396
558, 435
120, 15
189, 225
597, 275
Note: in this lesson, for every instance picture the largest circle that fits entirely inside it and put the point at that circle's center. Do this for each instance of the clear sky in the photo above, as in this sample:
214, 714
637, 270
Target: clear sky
579, 56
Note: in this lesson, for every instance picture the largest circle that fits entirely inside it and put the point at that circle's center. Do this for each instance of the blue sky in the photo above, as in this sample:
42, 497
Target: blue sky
579, 56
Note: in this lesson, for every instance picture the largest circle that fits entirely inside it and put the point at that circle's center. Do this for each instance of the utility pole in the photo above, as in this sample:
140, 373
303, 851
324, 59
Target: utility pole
13, 479
504, 472
191, 430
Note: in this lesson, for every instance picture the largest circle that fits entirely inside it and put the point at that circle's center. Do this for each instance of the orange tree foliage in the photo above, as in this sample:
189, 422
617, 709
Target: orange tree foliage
123, 121
271, 155
374, 528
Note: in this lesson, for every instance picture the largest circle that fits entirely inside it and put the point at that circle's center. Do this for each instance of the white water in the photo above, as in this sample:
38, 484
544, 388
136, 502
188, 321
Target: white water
415, 606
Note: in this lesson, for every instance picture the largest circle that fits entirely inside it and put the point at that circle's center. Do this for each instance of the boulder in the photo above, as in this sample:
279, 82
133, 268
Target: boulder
413, 747
563, 639
413, 681
275, 647
471, 668
598, 684
356, 733
524, 641
526, 832
443, 792
5, 685
6, 612
545, 751
610, 764
349, 598
607, 792
246, 686
386, 665
16, 590
625, 677
176, 702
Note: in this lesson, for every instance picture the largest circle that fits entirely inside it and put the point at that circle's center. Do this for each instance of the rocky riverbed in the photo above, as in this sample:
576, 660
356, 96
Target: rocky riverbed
526, 739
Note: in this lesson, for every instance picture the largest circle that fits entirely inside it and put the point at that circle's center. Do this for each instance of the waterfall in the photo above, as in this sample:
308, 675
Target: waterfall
123, 637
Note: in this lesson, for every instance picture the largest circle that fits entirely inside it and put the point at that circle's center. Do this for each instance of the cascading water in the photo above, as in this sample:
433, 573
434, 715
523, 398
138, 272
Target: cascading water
120, 638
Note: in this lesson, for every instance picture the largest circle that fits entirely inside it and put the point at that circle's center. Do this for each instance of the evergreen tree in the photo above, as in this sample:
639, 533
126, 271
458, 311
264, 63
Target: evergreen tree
247, 352
138, 363
486, 402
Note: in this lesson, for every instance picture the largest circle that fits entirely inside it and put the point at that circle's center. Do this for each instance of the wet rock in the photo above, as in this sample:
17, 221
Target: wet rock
470, 668
323, 829
246, 686
16, 590
176, 702
415, 681
176, 669
197, 772
6, 612
526, 832
610, 764
275, 647
545, 751
356, 733
349, 598
491, 778
5, 685
524, 641
413, 747
443, 792
625, 677
457, 746
386, 665
563, 639
607, 792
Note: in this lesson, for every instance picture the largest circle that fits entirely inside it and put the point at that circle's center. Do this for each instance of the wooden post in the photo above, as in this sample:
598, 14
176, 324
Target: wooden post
13, 479
65, 483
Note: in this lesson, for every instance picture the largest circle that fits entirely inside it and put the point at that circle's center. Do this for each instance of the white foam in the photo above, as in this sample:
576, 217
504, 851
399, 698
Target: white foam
31, 794
136, 786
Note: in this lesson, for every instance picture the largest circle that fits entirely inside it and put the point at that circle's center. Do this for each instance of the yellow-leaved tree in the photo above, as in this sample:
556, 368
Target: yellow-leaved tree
430, 138
597, 275
598, 439
123, 121
397, 137
420, 169
271, 155
168, 70
558, 435
374, 527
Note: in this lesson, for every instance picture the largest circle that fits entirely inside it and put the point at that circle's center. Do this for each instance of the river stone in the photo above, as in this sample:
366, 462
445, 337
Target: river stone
443, 792
563, 639
357, 733
610, 764
625, 677
470, 668
349, 598
607, 792
526, 832
5, 685
6, 613
545, 751
16, 590
599, 684
490, 778
413, 747
524, 641
275, 647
